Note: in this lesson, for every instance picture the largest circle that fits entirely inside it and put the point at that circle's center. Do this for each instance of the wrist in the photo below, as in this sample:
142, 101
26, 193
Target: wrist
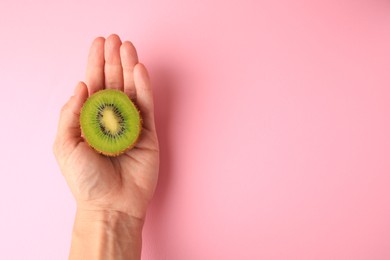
111, 218
106, 234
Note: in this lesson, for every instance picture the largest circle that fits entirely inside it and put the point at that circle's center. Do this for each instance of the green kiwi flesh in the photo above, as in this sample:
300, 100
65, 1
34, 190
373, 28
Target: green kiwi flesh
110, 122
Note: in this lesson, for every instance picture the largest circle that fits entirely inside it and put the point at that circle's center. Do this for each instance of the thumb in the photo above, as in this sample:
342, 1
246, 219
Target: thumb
69, 132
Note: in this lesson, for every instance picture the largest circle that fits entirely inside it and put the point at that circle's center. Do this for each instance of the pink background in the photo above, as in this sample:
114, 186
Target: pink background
273, 118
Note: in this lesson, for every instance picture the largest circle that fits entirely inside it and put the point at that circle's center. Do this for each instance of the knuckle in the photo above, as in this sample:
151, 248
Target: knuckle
113, 83
67, 105
64, 108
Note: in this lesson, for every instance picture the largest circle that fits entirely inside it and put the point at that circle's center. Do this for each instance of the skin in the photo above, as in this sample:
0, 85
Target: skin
112, 194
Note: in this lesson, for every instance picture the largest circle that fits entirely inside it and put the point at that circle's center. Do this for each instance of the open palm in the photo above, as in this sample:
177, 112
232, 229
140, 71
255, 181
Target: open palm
125, 183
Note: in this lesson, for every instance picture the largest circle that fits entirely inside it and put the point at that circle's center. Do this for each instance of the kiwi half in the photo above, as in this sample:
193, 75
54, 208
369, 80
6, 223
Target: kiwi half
110, 122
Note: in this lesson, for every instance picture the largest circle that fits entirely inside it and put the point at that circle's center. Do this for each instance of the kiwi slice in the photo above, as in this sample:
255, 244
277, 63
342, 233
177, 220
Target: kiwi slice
110, 122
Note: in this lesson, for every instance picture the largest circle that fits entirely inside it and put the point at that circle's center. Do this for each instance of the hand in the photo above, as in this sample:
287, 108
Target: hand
123, 184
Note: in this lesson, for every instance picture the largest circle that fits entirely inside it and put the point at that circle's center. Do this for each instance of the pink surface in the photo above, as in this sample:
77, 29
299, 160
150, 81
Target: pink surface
273, 118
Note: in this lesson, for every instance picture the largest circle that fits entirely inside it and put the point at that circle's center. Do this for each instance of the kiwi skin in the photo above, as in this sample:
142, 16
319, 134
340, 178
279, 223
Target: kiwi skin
106, 153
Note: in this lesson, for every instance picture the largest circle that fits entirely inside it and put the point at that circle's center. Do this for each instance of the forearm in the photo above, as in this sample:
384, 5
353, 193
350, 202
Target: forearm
106, 235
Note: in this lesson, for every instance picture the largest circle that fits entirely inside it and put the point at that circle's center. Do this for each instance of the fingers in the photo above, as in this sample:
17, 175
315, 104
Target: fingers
144, 96
113, 67
129, 59
95, 66
69, 132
